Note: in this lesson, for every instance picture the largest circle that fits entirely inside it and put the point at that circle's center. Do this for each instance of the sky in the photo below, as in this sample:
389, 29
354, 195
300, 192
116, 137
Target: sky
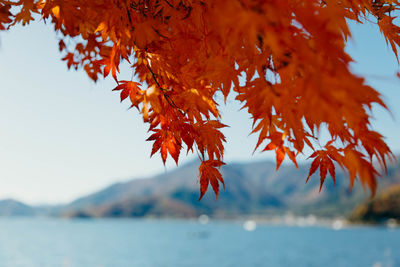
63, 136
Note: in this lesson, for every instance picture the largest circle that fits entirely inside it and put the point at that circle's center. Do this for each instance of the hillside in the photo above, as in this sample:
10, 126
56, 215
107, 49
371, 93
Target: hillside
384, 207
251, 189
10, 207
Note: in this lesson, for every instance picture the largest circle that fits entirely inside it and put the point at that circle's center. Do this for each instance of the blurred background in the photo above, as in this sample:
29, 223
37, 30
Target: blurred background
79, 188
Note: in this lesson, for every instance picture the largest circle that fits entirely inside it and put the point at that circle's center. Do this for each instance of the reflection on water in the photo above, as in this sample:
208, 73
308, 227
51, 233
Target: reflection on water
148, 243
199, 234
249, 225
203, 219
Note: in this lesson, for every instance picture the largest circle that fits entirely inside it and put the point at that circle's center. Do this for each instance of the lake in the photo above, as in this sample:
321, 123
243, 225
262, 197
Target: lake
147, 243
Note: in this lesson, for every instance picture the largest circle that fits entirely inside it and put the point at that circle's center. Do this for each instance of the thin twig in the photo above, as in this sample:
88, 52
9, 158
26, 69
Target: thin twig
167, 97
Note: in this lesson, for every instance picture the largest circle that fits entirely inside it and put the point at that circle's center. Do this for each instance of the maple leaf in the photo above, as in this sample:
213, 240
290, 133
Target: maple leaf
209, 174
390, 31
70, 60
359, 166
322, 160
277, 141
166, 143
210, 139
131, 89
5, 15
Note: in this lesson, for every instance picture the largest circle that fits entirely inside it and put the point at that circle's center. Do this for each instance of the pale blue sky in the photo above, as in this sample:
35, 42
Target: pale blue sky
63, 136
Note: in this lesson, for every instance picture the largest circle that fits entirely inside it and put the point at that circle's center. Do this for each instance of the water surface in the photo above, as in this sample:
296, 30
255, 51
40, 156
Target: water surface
156, 243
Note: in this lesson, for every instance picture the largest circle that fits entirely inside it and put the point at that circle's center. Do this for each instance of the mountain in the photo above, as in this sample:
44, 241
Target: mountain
254, 188
11, 207
251, 189
383, 208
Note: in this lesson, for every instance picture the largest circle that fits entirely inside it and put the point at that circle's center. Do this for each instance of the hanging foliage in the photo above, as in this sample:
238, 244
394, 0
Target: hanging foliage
289, 55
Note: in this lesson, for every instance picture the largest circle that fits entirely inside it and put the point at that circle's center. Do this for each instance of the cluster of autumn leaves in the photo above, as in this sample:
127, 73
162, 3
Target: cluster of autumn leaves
284, 59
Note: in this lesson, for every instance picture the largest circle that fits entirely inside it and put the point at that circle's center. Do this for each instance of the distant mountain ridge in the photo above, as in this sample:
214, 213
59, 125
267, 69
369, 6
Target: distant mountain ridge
253, 188
11, 207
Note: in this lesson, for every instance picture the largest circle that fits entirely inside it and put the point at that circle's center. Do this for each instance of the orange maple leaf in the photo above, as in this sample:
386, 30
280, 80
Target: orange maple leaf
325, 163
209, 174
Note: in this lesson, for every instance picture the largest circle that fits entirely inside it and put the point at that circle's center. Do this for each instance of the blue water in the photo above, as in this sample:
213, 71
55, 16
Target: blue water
145, 243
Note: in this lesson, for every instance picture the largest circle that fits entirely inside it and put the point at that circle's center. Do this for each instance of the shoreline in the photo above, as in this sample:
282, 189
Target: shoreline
288, 220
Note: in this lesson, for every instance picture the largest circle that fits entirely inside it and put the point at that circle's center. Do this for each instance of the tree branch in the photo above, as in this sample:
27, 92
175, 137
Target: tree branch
166, 96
